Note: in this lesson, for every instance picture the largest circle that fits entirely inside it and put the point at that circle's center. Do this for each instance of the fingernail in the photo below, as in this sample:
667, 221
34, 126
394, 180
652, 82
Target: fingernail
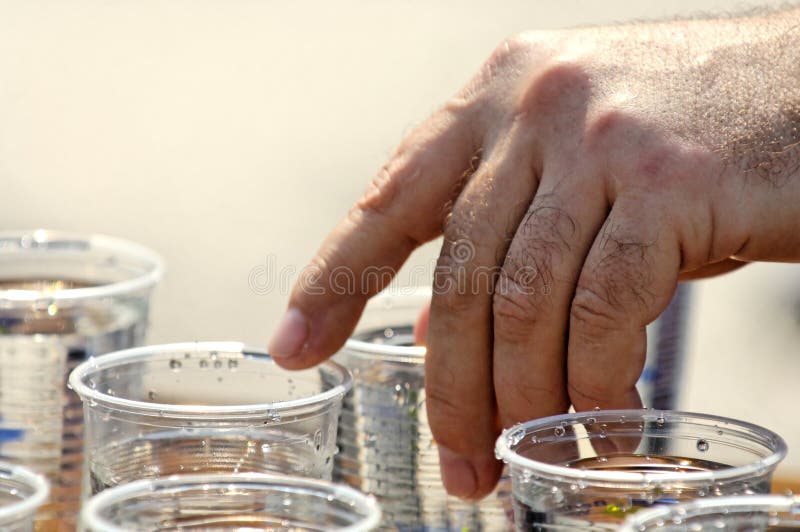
458, 474
292, 332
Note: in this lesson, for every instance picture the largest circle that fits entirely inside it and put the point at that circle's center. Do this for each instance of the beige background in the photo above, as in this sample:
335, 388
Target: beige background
231, 136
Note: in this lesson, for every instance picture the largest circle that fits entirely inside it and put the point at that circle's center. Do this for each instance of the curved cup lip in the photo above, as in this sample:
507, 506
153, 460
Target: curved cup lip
365, 504
504, 451
729, 505
414, 354
28, 505
391, 353
33, 239
102, 362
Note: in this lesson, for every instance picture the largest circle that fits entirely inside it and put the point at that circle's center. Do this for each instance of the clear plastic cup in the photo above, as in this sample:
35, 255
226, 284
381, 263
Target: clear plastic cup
230, 502
206, 407
588, 471
386, 446
22, 492
63, 298
749, 513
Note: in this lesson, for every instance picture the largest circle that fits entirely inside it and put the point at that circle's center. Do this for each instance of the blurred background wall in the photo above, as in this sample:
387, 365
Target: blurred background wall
231, 135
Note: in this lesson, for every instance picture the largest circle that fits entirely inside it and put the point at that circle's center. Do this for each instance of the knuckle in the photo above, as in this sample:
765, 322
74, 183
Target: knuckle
594, 312
591, 388
558, 85
446, 417
608, 127
450, 290
516, 305
382, 191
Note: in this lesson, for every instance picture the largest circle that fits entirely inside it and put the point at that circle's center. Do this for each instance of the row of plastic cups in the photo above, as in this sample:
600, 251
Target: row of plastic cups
260, 500
218, 501
222, 408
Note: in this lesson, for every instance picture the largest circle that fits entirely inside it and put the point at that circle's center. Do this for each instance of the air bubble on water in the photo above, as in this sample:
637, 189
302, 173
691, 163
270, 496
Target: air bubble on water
175, 364
204, 363
13, 491
596, 409
152, 395
591, 421
534, 439
233, 364
602, 459
559, 431
213, 355
702, 446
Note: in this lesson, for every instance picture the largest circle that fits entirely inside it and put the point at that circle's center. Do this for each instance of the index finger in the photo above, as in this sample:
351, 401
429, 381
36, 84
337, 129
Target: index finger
403, 208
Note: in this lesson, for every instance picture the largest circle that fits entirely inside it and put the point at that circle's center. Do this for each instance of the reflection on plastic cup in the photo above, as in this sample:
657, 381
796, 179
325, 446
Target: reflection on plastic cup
588, 471
205, 407
734, 514
22, 492
386, 447
230, 502
63, 297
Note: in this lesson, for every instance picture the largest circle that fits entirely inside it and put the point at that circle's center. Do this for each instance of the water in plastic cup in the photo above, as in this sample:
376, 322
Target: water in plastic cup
207, 407
386, 446
63, 298
22, 493
224, 502
751, 513
590, 470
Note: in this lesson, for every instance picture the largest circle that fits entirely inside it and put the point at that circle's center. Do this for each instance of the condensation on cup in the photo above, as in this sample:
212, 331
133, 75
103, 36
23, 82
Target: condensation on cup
591, 470
749, 513
235, 502
64, 297
205, 407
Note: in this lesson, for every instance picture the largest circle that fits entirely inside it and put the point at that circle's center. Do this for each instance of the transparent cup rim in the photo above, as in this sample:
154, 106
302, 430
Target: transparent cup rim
28, 505
397, 353
507, 454
366, 504
102, 362
119, 245
697, 507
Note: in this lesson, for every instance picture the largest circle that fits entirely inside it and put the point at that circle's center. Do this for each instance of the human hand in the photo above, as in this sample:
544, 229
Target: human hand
575, 180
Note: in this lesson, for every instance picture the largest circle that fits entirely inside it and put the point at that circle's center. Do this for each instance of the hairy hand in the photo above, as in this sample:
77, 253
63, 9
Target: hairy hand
575, 179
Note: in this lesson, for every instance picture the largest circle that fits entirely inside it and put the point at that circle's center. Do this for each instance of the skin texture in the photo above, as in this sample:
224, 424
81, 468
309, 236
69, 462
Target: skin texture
576, 179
